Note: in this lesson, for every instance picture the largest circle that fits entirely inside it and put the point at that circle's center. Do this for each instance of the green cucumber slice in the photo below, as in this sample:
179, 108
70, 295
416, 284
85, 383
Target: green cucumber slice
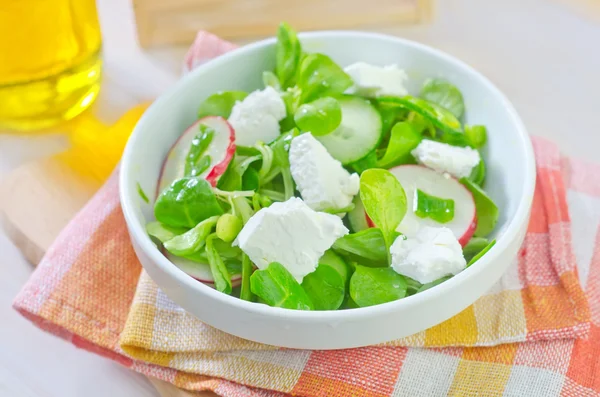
358, 134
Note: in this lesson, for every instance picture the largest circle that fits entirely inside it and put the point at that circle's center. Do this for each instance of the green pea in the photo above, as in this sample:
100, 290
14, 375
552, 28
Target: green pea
265, 201
228, 227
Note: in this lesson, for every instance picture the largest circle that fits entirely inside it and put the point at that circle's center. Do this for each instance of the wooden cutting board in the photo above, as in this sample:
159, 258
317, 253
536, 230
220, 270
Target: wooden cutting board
38, 199
36, 202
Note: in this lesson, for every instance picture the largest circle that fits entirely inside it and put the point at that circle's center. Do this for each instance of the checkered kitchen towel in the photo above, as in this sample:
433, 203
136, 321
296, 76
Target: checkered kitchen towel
532, 334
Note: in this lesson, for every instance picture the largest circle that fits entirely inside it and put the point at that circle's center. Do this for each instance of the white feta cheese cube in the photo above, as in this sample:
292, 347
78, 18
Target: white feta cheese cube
292, 234
434, 252
373, 81
321, 180
257, 117
444, 158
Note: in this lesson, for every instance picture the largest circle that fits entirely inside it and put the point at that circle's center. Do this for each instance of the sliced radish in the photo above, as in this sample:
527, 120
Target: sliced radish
220, 150
199, 271
369, 221
413, 177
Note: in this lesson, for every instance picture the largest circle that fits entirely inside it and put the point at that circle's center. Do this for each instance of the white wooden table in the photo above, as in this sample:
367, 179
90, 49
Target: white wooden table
544, 54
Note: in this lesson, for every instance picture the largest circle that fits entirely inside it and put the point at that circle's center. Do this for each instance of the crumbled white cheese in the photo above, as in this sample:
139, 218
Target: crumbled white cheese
373, 81
321, 180
292, 234
257, 117
434, 252
444, 158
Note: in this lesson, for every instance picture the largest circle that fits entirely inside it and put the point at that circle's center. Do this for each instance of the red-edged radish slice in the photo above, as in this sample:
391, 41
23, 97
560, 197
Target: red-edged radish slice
413, 177
220, 150
199, 271
369, 221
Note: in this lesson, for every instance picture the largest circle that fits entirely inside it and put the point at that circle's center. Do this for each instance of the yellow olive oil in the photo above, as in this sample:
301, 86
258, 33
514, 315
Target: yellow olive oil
50, 63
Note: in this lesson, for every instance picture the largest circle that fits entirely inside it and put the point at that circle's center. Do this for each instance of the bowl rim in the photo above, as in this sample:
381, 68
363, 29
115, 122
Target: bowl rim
512, 230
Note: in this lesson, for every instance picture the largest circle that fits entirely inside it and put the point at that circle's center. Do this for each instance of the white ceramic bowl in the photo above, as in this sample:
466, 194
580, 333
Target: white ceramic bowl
510, 181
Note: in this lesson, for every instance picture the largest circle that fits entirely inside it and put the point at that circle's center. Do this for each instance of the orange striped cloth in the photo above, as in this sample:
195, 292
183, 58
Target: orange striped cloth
531, 334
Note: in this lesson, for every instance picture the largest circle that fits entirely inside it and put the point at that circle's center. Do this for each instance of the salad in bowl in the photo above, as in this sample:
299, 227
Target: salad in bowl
329, 188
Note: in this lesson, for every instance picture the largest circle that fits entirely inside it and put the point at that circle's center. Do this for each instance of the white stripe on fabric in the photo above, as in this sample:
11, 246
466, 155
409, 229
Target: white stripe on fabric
529, 381
146, 290
425, 373
163, 302
509, 281
292, 359
281, 376
585, 218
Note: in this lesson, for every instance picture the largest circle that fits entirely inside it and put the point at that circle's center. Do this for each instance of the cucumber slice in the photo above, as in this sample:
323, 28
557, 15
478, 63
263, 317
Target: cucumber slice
358, 134
357, 218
